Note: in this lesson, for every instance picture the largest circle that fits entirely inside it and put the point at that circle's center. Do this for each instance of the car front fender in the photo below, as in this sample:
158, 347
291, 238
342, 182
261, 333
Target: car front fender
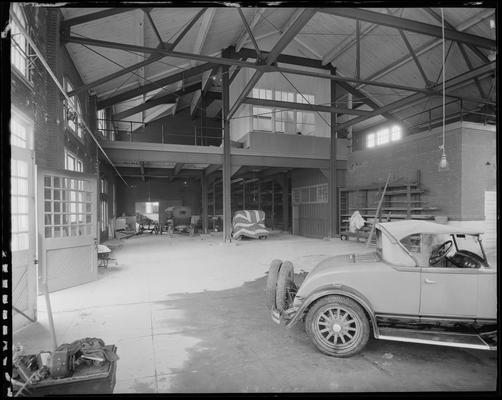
340, 290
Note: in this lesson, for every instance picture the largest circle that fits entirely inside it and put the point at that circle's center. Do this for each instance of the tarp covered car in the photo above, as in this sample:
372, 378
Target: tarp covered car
250, 223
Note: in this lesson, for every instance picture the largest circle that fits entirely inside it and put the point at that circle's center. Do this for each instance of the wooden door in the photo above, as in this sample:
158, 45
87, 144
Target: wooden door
67, 213
23, 246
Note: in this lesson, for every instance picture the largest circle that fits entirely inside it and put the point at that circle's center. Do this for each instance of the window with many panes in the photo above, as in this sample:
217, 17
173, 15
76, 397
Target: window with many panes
279, 120
383, 136
73, 112
310, 194
72, 162
67, 207
19, 205
262, 116
19, 46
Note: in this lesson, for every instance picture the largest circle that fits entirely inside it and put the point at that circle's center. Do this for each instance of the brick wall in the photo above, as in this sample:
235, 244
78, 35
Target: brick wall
479, 173
30, 98
420, 152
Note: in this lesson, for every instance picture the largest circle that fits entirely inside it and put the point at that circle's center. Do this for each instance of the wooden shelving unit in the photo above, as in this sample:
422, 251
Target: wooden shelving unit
401, 201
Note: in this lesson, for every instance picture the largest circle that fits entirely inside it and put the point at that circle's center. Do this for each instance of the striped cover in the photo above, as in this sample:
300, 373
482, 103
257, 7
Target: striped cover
249, 223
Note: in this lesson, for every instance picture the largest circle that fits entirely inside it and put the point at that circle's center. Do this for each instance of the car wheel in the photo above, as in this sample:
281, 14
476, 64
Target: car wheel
337, 326
273, 273
285, 282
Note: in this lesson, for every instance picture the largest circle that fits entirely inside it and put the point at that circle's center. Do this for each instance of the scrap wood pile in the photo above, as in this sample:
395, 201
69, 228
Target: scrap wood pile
69, 363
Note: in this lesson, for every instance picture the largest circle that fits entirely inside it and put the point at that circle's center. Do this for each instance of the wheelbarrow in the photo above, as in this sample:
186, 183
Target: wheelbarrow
104, 256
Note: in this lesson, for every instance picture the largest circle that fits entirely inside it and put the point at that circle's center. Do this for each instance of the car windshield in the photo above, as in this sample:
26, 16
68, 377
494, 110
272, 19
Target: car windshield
422, 246
469, 243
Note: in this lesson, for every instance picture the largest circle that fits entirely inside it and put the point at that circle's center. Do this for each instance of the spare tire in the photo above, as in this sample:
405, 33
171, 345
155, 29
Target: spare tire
273, 273
285, 281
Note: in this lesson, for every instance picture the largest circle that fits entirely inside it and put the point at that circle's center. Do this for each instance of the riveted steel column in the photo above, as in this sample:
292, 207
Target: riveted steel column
332, 184
227, 166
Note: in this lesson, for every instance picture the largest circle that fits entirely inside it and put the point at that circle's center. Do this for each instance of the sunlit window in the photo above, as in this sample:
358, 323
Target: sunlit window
74, 111
383, 136
73, 163
370, 140
395, 133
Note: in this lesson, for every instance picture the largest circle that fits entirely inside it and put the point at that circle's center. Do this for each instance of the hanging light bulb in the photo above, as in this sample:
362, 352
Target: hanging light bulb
443, 163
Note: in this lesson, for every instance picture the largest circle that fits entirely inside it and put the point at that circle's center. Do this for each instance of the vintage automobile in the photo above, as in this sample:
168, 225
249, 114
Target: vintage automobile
424, 282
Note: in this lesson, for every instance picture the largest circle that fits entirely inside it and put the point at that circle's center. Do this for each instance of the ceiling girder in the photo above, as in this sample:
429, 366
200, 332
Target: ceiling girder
415, 98
410, 25
302, 106
153, 85
271, 57
168, 98
68, 23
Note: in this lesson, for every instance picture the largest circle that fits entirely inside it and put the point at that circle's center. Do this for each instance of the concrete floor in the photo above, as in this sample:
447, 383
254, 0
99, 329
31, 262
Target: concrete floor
189, 315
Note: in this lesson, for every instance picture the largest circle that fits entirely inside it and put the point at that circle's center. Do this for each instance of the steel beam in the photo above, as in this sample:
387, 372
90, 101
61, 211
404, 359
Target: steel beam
358, 50
243, 36
411, 25
415, 58
413, 99
129, 94
302, 106
168, 98
284, 59
250, 33
188, 27
68, 23
474, 49
332, 181
150, 60
212, 168
271, 57
154, 27
227, 162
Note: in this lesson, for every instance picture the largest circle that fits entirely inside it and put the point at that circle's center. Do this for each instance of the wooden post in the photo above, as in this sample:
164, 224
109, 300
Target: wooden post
203, 181
273, 204
243, 194
227, 166
377, 212
332, 181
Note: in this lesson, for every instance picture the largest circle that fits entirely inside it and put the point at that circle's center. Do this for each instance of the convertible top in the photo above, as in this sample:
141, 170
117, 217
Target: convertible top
401, 229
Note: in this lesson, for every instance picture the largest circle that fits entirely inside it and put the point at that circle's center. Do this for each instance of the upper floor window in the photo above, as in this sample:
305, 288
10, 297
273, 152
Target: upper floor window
274, 119
72, 162
19, 45
383, 136
74, 112
20, 132
101, 116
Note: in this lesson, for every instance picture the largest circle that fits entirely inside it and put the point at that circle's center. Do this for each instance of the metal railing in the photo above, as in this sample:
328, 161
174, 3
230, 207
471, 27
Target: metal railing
198, 136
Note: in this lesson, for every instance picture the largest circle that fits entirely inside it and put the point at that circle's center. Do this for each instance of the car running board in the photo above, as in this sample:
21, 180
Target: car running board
453, 339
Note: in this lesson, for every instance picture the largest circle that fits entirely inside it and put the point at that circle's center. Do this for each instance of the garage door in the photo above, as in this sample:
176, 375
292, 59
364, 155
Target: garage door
67, 228
490, 236
24, 290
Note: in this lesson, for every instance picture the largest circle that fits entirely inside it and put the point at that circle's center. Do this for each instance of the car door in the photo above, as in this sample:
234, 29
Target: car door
448, 292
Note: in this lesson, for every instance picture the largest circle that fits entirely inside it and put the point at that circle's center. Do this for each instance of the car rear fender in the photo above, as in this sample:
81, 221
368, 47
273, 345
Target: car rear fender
340, 290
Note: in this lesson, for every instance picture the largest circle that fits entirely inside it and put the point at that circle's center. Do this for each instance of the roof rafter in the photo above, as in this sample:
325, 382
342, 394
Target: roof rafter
153, 85
271, 57
243, 36
417, 97
68, 23
166, 99
411, 25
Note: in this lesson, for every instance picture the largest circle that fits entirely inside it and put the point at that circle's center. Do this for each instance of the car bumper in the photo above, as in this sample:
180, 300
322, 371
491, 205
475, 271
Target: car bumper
285, 318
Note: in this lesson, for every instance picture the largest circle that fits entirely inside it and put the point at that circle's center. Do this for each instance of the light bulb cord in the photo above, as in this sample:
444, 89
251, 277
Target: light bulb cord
443, 62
